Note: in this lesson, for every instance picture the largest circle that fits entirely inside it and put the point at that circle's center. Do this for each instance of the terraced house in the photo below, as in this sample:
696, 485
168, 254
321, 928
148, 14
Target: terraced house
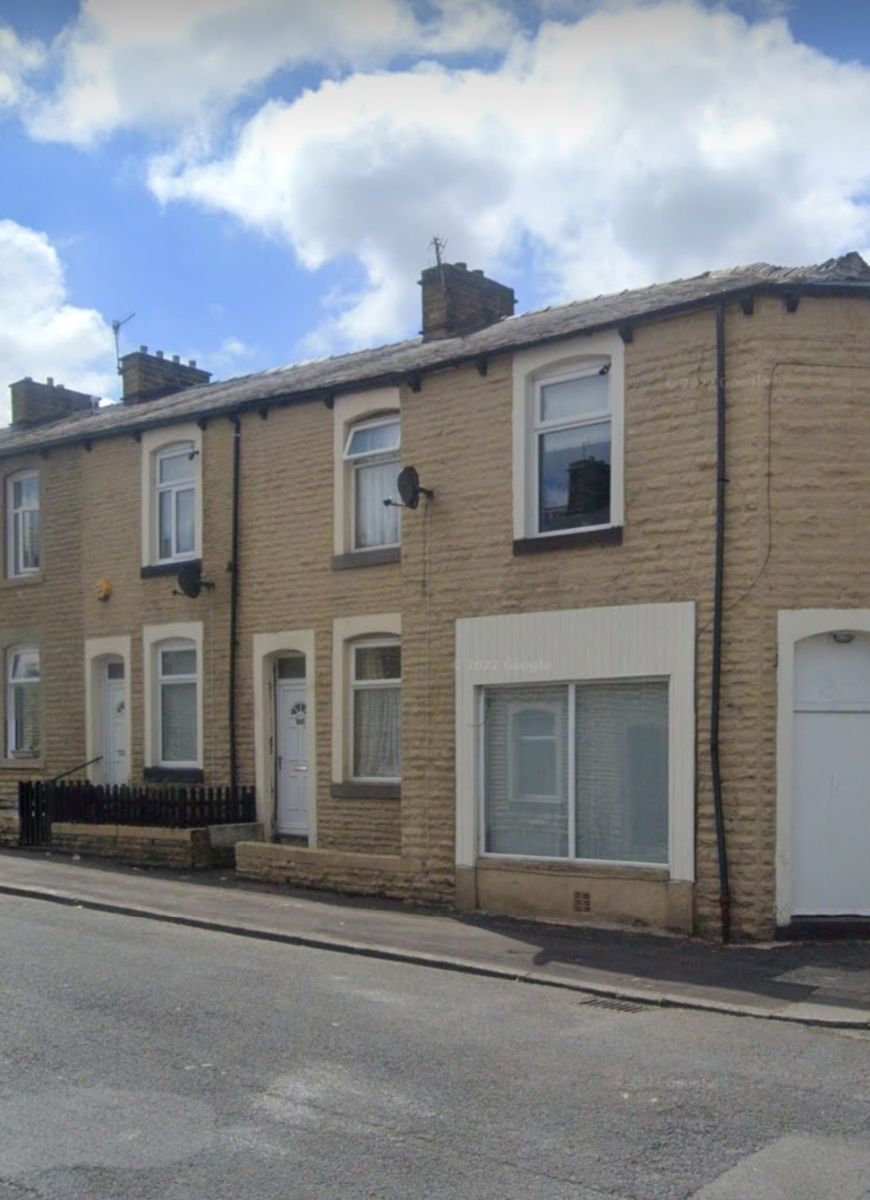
605, 655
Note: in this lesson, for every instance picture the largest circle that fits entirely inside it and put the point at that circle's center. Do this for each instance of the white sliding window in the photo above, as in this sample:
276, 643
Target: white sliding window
376, 687
176, 502
22, 702
372, 452
572, 451
22, 524
577, 771
177, 683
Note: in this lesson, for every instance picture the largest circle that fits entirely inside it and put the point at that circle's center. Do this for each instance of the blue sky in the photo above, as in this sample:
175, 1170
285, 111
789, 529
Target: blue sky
258, 180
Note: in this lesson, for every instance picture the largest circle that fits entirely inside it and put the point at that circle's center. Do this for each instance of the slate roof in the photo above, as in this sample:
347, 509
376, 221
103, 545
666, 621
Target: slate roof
396, 363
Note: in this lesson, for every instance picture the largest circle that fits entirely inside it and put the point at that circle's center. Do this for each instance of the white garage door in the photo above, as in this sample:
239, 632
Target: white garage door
831, 798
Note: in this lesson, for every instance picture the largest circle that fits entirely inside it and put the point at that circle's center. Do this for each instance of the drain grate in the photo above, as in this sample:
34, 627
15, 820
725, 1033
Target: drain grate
627, 1006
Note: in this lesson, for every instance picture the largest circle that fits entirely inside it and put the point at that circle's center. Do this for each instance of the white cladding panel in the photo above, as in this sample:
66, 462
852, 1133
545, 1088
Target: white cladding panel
572, 645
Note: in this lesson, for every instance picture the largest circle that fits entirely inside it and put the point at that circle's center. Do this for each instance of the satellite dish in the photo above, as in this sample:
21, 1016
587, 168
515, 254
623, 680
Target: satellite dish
189, 579
410, 488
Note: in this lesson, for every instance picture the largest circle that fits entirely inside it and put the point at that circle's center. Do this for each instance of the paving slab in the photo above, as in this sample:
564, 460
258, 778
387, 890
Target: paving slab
812, 983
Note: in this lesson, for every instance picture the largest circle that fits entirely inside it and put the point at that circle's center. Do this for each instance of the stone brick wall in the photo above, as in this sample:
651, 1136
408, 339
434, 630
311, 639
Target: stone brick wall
182, 849
799, 484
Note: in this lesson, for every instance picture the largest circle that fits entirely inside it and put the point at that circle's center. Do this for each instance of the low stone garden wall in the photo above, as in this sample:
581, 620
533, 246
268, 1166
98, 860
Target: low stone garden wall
153, 846
8, 828
332, 870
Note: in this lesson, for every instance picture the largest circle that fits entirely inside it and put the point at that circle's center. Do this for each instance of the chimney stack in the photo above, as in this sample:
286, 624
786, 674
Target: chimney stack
39, 403
457, 301
149, 376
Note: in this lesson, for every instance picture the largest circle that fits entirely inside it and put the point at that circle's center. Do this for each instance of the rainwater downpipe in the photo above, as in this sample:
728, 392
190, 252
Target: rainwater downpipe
233, 568
718, 591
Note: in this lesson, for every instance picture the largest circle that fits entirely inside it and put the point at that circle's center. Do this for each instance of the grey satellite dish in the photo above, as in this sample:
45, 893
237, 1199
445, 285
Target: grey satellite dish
410, 488
189, 579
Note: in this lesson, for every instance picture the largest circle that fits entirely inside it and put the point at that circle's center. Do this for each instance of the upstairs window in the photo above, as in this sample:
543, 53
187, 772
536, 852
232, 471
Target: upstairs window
376, 702
372, 454
175, 480
22, 526
177, 683
572, 450
22, 702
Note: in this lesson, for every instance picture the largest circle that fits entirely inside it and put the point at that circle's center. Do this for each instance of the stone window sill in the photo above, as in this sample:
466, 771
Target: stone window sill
366, 791
366, 558
173, 775
569, 541
170, 568
23, 764
17, 581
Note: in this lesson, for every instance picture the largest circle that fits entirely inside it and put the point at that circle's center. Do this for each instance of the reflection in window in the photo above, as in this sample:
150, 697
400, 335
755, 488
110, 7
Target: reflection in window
573, 436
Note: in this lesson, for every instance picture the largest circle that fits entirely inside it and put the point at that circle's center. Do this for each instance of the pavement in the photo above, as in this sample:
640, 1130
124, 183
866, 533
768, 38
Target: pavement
811, 983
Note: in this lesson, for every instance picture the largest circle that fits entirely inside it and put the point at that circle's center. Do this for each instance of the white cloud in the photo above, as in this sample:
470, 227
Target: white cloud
635, 143
17, 60
41, 334
168, 65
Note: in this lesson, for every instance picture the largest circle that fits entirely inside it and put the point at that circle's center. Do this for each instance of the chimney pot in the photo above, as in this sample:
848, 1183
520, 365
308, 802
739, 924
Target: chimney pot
457, 301
477, 271
38, 403
191, 362
149, 376
49, 381
143, 349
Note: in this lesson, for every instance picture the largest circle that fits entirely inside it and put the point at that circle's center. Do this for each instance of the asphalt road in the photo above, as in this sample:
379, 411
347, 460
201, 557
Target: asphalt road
143, 1060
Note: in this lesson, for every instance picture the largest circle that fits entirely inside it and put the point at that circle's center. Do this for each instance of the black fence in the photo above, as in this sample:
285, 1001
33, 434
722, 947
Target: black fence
39, 804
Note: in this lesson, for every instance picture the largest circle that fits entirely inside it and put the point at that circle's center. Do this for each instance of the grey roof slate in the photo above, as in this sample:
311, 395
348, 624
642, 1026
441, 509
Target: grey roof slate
403, 359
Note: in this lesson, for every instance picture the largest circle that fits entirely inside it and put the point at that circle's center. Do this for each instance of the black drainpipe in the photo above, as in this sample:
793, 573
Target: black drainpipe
233, 568
718, 588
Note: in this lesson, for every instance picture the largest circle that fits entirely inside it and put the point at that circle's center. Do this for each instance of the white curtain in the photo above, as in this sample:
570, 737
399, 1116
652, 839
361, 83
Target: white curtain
178, 722
377, 733
377, 524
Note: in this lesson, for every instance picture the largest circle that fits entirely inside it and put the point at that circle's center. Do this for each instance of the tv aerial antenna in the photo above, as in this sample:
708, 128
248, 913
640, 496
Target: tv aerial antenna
116, 330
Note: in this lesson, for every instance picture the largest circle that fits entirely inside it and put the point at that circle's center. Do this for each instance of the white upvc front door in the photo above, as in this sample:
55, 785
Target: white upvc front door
116, 764
291, 762
831, 774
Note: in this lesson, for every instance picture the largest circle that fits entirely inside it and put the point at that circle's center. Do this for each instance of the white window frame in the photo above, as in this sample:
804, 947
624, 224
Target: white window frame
379, 457
514, 709
157, 444
540, 427
184, 450
153, 638
368, 643
162, 681
350, 411
14, 542
609, 643
570, 686
12, 749
532, 370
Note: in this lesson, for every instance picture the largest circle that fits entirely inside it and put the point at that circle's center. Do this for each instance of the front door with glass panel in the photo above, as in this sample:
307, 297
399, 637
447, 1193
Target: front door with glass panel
116, 767
291, 760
